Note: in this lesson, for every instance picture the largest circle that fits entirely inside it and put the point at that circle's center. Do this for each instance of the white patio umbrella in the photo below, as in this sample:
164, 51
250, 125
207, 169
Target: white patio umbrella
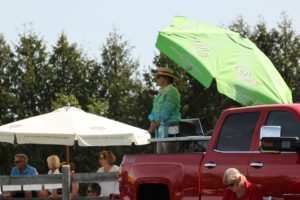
67, 124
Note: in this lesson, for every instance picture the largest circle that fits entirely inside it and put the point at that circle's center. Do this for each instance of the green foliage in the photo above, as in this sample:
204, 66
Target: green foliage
31, 69
97, 107
122, 91
239, 25
118, 68
67, 69
64, 100
8, 99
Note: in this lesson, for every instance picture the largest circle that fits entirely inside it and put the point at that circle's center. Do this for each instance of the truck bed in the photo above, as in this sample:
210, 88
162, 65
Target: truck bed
154, 175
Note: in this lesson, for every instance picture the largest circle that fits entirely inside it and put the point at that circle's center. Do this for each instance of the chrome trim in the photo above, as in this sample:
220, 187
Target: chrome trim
257, 152
291, 195
210, 165
275, 153
218, 151
256, 164
186, 138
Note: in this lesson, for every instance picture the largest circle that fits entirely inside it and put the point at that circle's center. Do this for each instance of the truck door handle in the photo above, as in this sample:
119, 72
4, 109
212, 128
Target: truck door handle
210, 165
256, 164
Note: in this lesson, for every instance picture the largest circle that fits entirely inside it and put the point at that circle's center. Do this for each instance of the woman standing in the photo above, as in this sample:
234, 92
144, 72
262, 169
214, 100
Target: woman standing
166, 107
106, 161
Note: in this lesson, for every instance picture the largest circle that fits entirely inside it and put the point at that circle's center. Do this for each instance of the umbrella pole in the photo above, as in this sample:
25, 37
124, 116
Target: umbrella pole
67, 154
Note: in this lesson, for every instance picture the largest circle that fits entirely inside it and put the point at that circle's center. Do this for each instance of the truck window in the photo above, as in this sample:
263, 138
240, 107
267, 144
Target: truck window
289, 125
237, 130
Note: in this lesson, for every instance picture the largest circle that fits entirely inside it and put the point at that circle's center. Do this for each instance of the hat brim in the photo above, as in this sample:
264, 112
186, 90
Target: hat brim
164, 74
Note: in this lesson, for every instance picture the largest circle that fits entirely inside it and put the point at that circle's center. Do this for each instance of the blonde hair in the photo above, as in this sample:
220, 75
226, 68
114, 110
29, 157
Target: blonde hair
231, 175
109, 156
53, 162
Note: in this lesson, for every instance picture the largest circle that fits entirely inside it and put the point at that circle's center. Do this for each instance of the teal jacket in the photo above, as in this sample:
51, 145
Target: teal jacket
166, 107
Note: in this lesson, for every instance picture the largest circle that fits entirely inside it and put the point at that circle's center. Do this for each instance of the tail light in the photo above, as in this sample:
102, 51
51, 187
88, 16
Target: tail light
123, 180
120, 180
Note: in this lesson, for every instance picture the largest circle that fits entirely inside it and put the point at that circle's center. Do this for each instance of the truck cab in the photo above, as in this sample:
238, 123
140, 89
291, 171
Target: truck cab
236, 143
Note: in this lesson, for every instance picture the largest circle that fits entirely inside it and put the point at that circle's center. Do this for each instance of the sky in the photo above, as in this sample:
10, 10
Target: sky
89, 22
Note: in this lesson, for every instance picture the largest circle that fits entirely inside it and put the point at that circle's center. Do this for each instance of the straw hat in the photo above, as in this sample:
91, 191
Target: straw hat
165, 72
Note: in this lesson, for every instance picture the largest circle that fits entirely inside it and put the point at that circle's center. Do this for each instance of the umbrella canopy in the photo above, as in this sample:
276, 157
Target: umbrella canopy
67, 124
242, 72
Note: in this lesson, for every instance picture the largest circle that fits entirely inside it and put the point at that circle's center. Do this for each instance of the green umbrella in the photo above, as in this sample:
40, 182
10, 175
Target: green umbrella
242, 72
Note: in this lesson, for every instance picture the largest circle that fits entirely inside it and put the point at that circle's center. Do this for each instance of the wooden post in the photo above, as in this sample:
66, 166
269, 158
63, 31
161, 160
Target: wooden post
66, 182
68, 153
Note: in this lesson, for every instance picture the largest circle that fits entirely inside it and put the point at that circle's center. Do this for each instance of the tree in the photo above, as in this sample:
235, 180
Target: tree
240, 25
30, 76
125, 94
73, 75
287, 58
67, 68
118, 70
8, 101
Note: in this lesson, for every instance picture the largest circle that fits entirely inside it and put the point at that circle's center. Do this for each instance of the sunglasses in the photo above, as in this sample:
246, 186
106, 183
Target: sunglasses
18, 161
231, 184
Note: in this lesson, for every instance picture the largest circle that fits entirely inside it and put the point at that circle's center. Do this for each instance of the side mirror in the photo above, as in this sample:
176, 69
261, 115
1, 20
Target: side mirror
270, 131
271, 141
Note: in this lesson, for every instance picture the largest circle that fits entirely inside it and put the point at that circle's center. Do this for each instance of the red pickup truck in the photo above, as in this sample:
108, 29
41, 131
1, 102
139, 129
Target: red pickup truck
240, 139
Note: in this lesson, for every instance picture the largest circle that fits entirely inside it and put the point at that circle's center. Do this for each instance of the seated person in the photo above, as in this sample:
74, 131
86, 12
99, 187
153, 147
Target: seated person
93, 190
74, 186
107, 161
53, 165
238, 187
22, 168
